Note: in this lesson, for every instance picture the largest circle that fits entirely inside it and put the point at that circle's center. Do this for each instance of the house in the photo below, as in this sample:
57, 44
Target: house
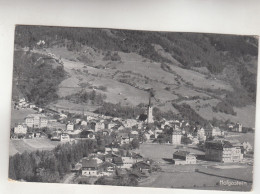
84, 123
127, 162
70, 127
183, 157
106, 169
92, 125
222, 151
124, 138
247, 147
157, 132
99, 126
108, 157
176, 137
142, 167
237, 128
64, 137
148, 134
118, 161
36, 120
32, 106
109, 125
134, 132
211, 131
121, 127
77, 121
20, 129
63, 116
89, 167
137, 157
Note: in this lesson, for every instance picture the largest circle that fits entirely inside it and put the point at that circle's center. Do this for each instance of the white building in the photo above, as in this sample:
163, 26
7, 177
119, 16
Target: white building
176, 137
70, 127
64, 137
150, 115
36, 121
20, 129
127, 162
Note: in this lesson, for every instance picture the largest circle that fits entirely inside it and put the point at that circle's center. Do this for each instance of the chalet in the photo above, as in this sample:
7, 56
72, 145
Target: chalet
63, 116
70, 127
108, 157
77, 121
127, 162
137, 157
106, 169
89, 167
36, 120
84, 123
142, 166
99, 126
222, 151
183, 157
124, 138
134, 132
247, 147
20, 129
32, 106
64, 137
118, 161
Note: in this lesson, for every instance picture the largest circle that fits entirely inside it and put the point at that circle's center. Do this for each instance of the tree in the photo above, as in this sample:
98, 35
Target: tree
135, 143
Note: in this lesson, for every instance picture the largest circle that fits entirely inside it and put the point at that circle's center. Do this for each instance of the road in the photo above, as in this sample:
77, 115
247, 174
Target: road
69, 178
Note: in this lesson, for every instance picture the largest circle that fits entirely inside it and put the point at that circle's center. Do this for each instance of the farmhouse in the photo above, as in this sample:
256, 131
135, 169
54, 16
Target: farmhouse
142, 166
36, 120
64, 137
89, 167
20, 129
106, 169
127, 162
70, 127
183, 157
118, 161
222, 151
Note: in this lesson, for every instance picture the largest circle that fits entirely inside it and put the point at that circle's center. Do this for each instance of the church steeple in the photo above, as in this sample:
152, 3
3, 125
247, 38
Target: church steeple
150, 108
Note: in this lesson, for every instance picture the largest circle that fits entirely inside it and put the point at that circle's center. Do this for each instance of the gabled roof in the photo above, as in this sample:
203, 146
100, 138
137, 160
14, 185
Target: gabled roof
89, 163
218, 144
106, 164
136, 155
182, 153
117, 160
142, 164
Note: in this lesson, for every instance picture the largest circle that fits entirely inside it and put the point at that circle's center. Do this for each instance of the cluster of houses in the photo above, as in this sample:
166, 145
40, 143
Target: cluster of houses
105, 164
23, 104
126, 130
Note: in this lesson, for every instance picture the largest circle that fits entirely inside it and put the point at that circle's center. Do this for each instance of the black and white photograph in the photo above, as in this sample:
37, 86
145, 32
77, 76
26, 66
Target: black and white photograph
136, 108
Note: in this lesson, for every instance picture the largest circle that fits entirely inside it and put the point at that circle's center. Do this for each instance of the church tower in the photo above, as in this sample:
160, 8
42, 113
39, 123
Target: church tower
150, 109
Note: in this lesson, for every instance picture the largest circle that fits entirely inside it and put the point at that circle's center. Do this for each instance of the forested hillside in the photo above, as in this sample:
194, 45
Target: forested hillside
212, 74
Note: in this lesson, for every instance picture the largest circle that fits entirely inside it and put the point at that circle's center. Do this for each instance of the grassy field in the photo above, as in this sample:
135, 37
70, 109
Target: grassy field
18, 116
29, 145
185, 176
241, 137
